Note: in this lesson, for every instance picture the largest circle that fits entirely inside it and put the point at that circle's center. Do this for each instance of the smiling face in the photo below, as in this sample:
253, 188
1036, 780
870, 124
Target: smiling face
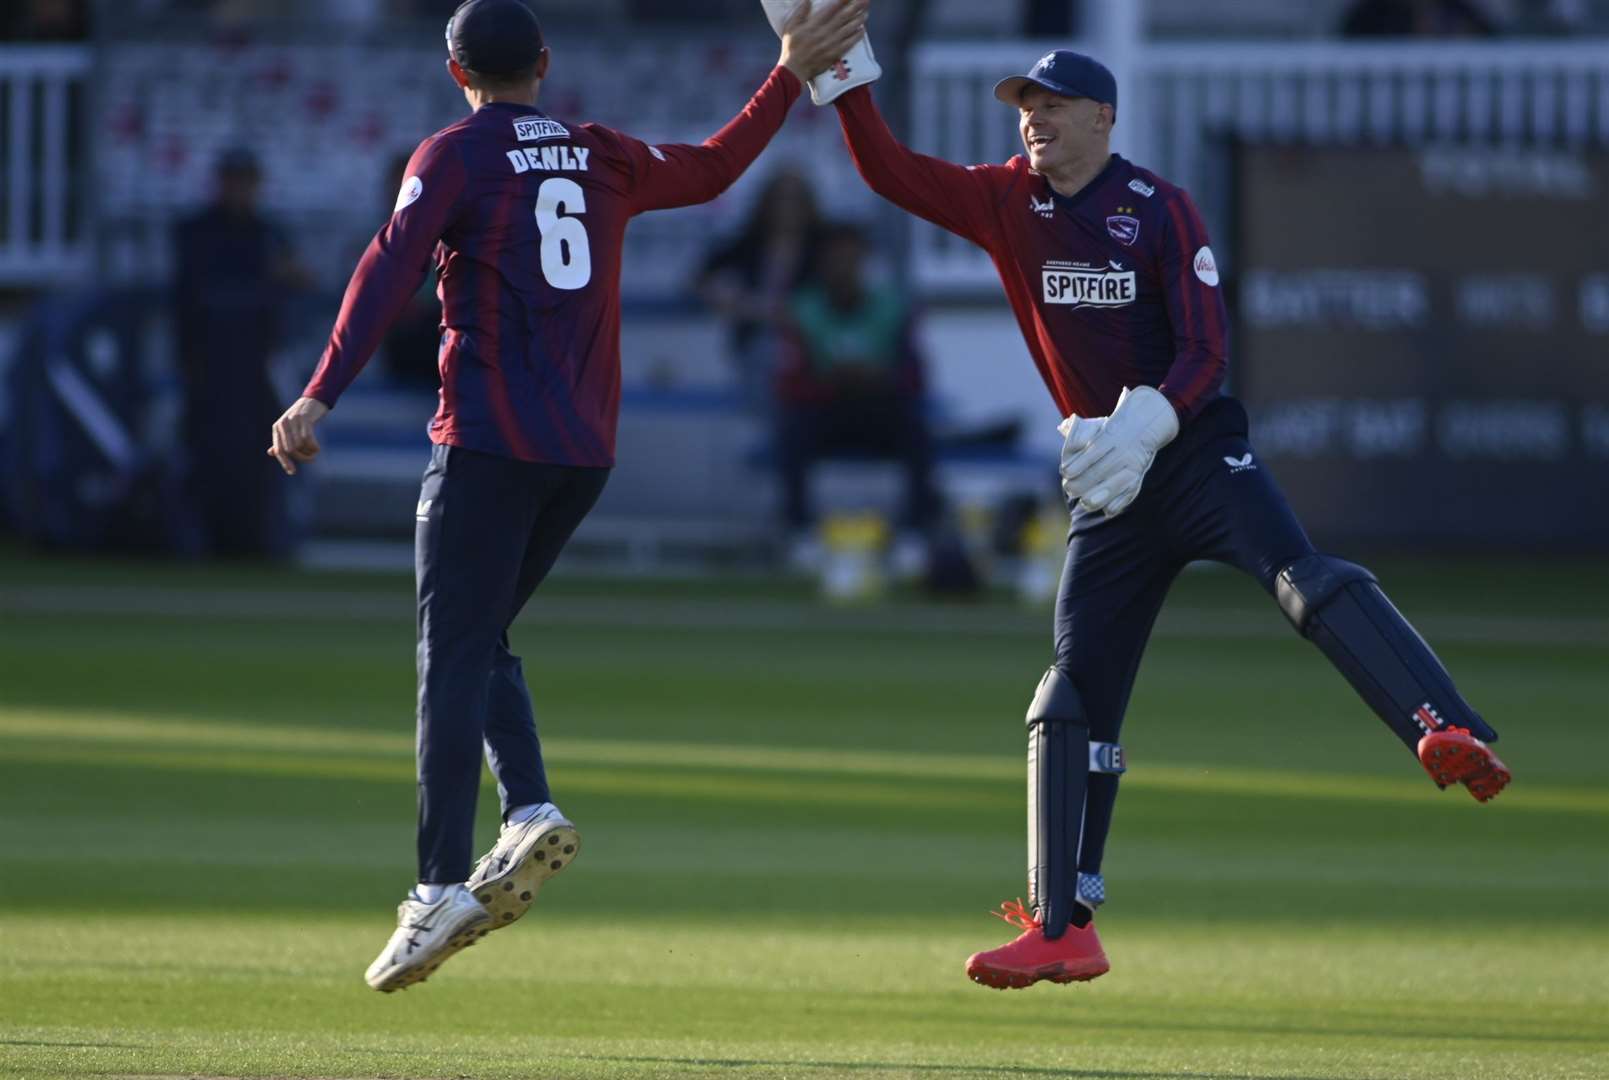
1061, 132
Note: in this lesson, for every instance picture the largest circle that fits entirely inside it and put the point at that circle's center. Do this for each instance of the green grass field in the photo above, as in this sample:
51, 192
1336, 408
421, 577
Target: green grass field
796, 818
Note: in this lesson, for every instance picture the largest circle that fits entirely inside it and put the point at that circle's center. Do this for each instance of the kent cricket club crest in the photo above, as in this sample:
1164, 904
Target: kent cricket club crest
1124, 226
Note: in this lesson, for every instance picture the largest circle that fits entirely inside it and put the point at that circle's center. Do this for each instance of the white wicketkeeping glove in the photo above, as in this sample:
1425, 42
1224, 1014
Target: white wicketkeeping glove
1077, 433
1106, 474
857, 68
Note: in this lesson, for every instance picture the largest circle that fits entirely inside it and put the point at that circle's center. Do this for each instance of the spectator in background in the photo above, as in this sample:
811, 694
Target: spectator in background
850, 385
43, 20
235, 272
748, 280
1416, 18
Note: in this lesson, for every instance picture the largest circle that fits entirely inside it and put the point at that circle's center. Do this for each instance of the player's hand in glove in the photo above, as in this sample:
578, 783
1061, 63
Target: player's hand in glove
1106, 474
294, 440
826, 48
1077, 433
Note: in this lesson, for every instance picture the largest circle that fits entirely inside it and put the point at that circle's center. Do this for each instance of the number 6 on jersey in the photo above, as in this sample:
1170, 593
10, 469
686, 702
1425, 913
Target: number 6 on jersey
566, 258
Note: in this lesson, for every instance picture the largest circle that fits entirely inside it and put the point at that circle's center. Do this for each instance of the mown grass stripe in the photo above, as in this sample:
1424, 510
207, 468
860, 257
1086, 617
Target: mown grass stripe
64, 738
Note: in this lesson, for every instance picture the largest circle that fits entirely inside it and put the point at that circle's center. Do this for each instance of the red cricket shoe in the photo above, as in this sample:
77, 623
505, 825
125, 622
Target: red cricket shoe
1453, 756
1076, 956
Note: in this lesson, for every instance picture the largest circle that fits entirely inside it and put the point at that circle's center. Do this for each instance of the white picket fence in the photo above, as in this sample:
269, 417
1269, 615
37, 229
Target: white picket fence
1181, 98
44, 233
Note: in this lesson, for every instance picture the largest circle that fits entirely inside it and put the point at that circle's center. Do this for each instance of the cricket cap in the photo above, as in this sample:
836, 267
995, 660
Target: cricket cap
1063, 72
494, 37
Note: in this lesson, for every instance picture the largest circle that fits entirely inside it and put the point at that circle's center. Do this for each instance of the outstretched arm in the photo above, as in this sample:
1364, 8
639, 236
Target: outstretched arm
391, 269
953, 197
387, 277
681, 175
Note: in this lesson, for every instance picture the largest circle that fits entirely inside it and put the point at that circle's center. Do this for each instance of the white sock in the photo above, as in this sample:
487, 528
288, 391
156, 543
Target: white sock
430, 893
521, 814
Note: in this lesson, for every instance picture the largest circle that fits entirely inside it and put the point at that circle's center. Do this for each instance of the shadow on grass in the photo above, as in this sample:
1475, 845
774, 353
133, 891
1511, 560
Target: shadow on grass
74, 1045
1382, 1032
920, 1067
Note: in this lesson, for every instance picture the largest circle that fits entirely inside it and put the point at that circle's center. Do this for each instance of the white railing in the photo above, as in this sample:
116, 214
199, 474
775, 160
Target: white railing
1183, 97
44, 234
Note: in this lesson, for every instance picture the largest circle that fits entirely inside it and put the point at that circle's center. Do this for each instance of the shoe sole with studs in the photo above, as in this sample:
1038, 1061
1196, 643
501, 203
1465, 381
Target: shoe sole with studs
474, 927
1454, 758
1006, 979
510, 894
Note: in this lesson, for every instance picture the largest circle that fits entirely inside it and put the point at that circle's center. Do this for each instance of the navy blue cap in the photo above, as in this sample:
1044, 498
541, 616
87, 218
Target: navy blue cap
494, 37
1063, 72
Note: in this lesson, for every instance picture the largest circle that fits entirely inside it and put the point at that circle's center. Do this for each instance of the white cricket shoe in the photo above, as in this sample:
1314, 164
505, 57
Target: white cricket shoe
526, 854
426, 936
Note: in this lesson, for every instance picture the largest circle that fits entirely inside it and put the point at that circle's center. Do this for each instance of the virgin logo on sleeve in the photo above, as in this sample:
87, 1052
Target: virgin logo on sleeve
412, 188
1206, 268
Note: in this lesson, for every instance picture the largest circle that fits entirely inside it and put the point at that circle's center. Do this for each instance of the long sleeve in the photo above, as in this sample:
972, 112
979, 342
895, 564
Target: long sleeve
677, 174
390, 272
1195, 309
955, 197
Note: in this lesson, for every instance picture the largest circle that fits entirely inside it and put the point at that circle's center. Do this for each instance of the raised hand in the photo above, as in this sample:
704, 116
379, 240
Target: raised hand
816, 37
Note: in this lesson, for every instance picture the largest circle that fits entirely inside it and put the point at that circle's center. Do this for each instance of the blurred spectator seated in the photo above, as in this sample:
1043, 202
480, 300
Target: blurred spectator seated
850, 384
748, 280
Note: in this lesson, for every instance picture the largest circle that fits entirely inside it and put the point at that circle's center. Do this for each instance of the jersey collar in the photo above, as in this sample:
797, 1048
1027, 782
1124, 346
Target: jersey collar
1077, 198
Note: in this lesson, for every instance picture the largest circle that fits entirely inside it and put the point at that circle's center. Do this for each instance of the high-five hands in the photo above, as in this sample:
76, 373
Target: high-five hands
824, 44
1104, 460
293, 434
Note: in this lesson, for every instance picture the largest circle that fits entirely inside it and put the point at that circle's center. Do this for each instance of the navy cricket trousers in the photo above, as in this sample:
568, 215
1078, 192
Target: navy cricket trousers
488, 531
1205, 497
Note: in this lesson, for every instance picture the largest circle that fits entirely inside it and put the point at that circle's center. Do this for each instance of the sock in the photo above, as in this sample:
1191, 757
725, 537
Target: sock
1081, 916
430, 892
521, 814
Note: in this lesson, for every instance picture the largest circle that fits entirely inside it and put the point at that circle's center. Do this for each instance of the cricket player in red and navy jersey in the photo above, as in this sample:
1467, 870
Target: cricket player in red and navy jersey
1113, 281
524, 216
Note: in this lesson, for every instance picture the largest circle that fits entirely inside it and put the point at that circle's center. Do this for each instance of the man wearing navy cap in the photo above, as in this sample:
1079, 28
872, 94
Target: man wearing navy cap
524, 216
1109, 271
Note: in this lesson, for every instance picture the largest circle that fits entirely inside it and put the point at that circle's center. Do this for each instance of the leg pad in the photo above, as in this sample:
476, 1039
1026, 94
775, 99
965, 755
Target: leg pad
1339, 607
1058, 773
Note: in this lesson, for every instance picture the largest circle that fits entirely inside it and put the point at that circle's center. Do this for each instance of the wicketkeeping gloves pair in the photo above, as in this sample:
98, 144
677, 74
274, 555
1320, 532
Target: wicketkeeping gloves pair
1104, 459
857, 68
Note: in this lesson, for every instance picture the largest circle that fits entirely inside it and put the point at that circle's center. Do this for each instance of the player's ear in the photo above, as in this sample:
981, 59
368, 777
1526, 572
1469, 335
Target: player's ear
460, 76
542, 63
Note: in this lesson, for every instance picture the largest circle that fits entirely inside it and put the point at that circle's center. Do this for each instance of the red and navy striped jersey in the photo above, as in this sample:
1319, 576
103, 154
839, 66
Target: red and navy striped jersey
1115, 286
524, 217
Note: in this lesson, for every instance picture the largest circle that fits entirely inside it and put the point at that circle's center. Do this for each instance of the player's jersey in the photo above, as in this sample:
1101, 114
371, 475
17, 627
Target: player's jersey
1114, 286
525, 216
